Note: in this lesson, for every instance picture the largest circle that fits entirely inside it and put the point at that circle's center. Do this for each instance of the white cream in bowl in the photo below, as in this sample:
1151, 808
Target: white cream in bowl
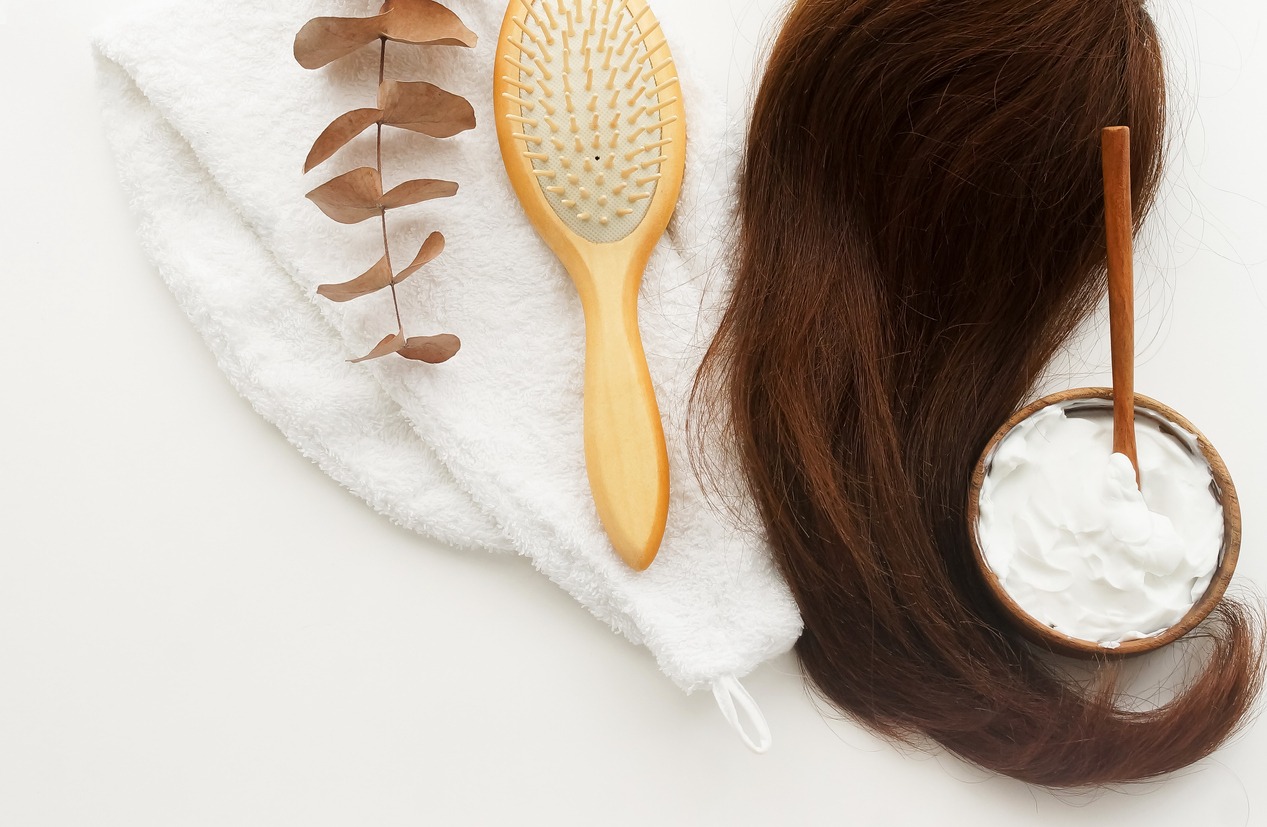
1073, 541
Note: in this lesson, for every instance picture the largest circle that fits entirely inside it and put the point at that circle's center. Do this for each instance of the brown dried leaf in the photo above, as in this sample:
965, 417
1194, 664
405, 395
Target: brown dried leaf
425, 22
352, 197
324, 40
425, 108
337, 135
390, 344
430, 251
417, 191
433, 350
373, 280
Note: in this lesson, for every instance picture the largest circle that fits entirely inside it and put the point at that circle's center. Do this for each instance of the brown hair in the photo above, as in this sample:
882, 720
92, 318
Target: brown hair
921, 229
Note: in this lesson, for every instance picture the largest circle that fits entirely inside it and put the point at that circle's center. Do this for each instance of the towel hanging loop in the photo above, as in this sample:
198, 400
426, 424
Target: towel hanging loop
732, 698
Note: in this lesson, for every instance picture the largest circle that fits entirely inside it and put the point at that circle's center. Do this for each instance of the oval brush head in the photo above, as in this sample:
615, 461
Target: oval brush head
592, 131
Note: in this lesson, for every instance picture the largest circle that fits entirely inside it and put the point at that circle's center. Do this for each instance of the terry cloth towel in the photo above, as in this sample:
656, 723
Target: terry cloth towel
210, 118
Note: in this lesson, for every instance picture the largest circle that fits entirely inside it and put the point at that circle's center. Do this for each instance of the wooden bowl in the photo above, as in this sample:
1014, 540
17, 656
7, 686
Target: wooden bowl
1224, 491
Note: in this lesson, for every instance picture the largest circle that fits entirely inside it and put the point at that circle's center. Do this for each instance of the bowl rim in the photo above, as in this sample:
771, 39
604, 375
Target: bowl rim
1037, 632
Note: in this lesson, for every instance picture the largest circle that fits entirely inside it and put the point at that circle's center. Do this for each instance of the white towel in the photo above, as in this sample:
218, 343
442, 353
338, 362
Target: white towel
211, 117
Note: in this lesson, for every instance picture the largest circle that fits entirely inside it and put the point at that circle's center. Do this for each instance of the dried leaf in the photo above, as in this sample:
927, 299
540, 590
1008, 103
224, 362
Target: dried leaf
433, 350
337, 135
431, 250
352, 197
425, 108
324, 40
418, 107
373, 280
425, 22
391, 344
417, 191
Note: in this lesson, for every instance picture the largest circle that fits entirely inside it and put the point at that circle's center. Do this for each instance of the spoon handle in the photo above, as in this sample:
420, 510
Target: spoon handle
1119, 223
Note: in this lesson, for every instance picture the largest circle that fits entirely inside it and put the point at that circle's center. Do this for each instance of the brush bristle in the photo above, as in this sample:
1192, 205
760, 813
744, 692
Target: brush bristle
591, 113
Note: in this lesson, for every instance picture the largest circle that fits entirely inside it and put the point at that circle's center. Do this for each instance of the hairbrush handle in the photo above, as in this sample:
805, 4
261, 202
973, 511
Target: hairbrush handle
625, 452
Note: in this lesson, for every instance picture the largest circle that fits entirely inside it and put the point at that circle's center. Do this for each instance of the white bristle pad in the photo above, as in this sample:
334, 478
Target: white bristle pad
592, 109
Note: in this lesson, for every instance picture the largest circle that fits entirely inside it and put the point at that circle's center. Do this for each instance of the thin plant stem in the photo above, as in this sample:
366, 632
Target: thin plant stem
382, 213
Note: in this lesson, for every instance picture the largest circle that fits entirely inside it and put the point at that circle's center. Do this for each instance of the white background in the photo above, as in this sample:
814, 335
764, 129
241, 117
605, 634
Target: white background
198, 627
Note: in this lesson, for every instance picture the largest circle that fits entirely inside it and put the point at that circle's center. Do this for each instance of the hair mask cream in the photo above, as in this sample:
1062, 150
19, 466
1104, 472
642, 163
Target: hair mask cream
1078, 546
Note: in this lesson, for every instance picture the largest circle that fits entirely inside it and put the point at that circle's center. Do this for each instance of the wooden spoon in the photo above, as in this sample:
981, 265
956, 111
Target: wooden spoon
1120, 225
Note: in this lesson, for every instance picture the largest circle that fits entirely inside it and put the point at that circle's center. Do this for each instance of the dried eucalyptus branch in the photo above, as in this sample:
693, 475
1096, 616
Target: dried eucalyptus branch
358, 195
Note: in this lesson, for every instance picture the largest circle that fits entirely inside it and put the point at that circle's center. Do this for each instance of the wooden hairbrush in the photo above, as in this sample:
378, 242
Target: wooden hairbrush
593, 134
